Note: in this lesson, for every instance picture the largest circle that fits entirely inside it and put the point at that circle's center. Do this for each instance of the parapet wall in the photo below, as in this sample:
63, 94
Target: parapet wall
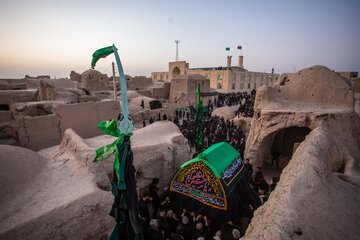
41, 131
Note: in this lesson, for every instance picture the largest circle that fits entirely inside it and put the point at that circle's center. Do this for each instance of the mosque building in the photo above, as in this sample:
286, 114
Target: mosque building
222, 79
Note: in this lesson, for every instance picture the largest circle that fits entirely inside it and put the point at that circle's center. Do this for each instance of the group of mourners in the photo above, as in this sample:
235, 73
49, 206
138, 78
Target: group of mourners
243, 99
159, 219
161, 222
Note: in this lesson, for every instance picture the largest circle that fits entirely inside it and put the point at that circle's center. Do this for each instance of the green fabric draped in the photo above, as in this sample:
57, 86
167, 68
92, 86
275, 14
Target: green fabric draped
212, 156
101, 53
115, 233
118, 146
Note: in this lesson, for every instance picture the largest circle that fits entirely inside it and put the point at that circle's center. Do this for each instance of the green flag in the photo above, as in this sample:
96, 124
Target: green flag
199, 123
198, 93
101, 53
227, 49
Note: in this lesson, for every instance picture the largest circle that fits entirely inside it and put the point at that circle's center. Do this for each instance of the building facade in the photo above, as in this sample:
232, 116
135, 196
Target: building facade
222, 79
183, 89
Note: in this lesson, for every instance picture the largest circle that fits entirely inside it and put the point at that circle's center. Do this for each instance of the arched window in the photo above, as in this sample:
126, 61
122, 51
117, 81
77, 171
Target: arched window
176, 72
219, 85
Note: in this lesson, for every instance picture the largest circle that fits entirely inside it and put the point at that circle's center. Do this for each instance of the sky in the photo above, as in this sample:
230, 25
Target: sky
50, 37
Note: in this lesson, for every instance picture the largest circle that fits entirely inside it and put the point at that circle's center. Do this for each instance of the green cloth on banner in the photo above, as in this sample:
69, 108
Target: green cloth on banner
217, 157
223, 151
101, 53
121, 150
118, 146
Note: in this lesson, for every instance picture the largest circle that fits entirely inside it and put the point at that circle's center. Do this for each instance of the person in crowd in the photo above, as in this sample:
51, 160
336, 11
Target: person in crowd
187, 227
151, 120
164, 117
260, 182
153, 232
217, 235
153, 189
172, 220
275, 154
176, 120
144, 210
236, 234
165, 199
178, 234
142, 104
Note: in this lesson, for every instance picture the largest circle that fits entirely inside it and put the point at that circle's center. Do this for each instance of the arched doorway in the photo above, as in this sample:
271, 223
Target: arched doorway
280, 145
287, 140
175, 72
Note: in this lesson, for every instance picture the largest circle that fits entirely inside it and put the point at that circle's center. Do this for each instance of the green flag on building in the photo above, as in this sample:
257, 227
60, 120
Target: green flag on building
101, 53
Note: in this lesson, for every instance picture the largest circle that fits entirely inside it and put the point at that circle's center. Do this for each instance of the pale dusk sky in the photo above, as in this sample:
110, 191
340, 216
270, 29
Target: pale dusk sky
54, 37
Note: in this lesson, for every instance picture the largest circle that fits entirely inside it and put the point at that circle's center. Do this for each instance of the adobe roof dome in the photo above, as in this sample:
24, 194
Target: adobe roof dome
92, 72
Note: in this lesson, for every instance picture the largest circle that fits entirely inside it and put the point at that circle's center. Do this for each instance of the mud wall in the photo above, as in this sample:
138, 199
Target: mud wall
36, 132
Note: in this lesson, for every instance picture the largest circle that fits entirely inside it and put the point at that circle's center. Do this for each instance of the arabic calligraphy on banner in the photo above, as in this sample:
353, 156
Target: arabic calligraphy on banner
197, 181
229, 174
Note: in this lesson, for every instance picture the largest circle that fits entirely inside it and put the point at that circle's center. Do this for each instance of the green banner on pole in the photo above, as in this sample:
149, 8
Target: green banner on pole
101, 53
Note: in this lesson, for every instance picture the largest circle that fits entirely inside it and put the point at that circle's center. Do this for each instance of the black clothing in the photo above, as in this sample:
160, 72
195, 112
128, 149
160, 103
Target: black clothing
187, 231
143, 210
142, 104
152, 234
176, 236
164, 205
155, 198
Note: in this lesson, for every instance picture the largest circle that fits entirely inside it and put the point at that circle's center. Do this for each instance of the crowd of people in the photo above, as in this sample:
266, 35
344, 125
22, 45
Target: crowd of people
243, 99
161, 222
215, 129
159, 219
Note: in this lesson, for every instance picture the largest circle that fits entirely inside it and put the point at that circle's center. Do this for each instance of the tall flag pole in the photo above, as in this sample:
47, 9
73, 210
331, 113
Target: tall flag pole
125, 208
125, 125
199, 123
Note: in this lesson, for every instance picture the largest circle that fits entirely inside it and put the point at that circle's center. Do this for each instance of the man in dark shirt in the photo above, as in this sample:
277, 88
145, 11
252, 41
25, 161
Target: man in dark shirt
153, 232
187, 228
142, 104
153, 188
144, 211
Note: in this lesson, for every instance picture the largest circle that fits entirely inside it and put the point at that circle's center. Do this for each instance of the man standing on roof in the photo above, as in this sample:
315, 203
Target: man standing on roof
142, 103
